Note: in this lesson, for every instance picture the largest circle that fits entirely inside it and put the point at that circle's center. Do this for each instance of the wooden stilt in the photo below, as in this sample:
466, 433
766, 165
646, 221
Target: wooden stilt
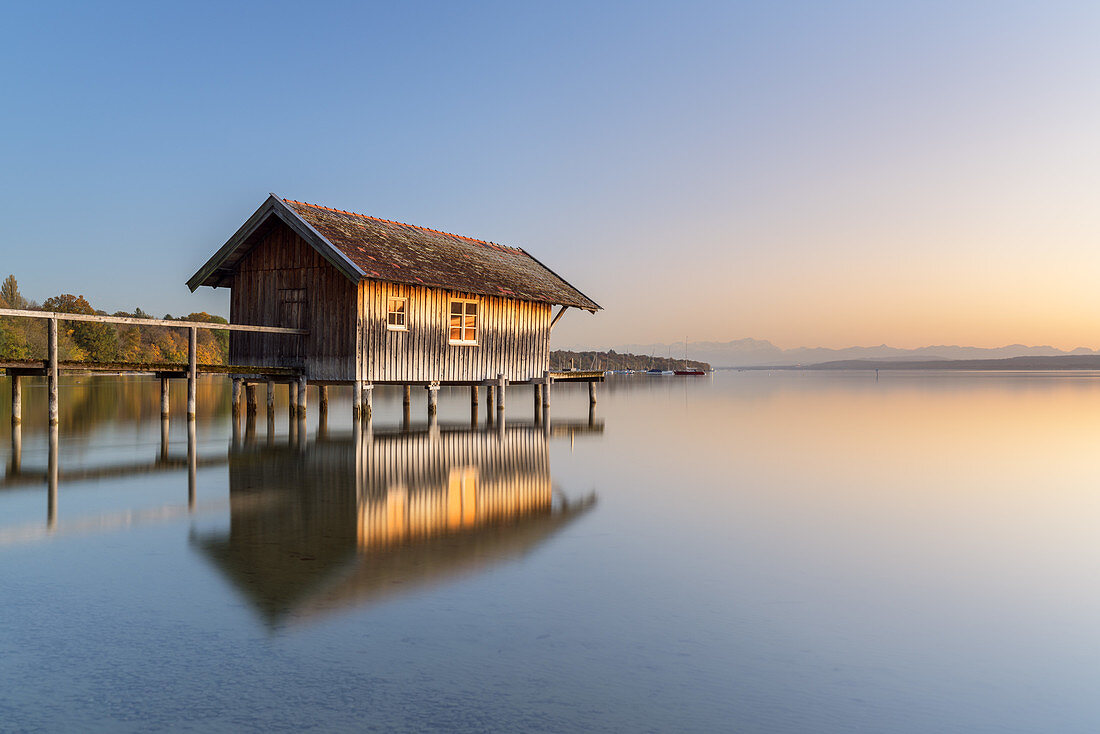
490, 398
408, 396
51, 374
164, 402
192, 370
235, 404
368, 401
500, 393
292, 398
592, 392
250, 398
433, 399
164, 424
537, 390
546, 379
357, 400
322, 398
270, 398
16, 400
302, 392
473, 394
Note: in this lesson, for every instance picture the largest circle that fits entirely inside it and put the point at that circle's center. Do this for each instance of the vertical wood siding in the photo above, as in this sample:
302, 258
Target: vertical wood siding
283, 266
513, 337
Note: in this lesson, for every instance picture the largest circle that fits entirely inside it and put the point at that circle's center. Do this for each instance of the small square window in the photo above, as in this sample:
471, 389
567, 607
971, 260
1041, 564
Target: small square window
463, 326
396, 313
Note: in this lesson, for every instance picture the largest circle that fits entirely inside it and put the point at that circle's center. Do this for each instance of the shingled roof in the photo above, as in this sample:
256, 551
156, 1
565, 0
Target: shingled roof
365, 247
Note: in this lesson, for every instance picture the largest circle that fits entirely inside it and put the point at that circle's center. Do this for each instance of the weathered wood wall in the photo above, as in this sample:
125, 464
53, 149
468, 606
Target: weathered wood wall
283, 281
513, 337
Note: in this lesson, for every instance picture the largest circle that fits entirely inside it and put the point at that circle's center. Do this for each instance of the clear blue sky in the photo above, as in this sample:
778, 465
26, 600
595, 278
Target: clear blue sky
814, 173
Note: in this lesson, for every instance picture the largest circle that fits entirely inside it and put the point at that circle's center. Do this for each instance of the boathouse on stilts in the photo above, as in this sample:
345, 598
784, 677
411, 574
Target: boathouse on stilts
387, 303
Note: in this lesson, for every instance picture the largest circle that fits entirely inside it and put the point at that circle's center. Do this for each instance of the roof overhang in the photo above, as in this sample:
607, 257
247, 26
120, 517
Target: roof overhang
223, 263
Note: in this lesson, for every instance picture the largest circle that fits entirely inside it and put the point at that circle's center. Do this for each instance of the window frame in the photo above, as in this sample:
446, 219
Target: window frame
462, 325
404, 326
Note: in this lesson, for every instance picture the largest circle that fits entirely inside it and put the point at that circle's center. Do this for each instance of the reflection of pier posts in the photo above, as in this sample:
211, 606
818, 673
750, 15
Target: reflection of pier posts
592, 392
292, 400
322, 399
235, 422
407, 398
192, 464
322, 425
546, 391
537, 390
406, 411
164, 402
235, 404
250, 430
16, 400
500, 393
192, 370
490, 398
250, 399
51, 479
591, 414
301, 432
270, 399
357, 400
164, 421
51, 374
16, 450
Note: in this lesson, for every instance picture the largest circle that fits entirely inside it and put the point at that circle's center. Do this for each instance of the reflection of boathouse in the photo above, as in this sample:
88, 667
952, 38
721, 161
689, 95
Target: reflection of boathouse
348, 521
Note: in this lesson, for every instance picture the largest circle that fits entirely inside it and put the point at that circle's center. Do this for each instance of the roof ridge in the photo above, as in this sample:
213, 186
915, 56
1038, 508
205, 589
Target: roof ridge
484, 243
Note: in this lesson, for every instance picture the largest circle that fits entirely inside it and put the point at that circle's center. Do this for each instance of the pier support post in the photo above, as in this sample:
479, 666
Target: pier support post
250, 398
16, 400
473, 395
537, 390
500, 391
164, 423
270, 398
292, 399
357, 400
322, 398
433, 399
490, 399
302, 387
236, 401
546, 391
367, 410
51, 374
192, 370
407, 400
165, 406
592, 393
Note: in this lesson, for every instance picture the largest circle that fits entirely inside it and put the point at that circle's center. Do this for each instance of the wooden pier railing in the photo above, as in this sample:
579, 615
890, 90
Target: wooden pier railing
51, 365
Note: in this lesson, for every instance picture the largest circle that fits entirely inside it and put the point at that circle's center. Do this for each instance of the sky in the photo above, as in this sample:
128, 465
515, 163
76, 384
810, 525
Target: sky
814, 174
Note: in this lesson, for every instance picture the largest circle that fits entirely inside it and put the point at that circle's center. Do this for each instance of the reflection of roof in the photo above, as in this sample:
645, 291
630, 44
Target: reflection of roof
365, 247
296, 548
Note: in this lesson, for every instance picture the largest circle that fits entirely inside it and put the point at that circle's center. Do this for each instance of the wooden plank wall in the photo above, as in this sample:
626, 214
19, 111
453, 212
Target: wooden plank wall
513, 337
281, 263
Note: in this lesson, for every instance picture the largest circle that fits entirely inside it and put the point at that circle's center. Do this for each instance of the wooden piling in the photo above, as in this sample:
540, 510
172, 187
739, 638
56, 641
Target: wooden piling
546, 379
357, 400
592, 392
270, 398
51, 374
322, 398
235, 403
490, 399
500, 391
250, 398
433, 400
367, 412
473, 395
292, 400
302, 392
192, 370
537, 391
16, 400
164, 402
408, 396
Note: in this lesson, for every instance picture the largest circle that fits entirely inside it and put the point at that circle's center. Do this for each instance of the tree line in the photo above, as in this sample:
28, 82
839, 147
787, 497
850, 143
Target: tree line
87, 341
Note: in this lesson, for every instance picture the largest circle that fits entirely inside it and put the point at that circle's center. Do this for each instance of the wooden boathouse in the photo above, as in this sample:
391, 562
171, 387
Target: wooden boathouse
385, 302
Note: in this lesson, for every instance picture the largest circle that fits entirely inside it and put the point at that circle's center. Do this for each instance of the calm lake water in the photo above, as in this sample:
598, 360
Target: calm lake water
782, 552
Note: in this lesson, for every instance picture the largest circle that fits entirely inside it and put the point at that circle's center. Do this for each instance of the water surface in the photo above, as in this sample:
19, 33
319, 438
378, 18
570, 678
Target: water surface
750, 552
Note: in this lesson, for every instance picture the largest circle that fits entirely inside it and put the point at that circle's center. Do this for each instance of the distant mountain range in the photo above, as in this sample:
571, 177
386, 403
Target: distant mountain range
760, 352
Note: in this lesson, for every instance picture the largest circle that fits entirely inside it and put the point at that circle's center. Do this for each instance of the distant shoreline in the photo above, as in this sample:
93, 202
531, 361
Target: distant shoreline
1054, 363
